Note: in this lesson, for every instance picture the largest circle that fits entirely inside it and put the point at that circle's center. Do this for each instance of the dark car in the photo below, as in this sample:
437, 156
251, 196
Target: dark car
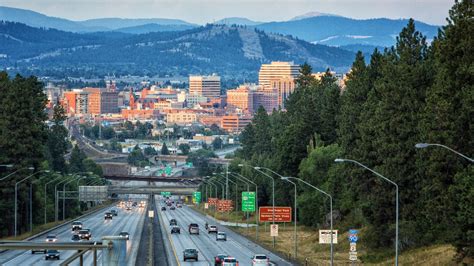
108, 215
190, 254
75, 237
125, 234
172, 208
85, 234
219, 259
51, 254
193, 229
173, 222
114, 212
175, 229
163, 208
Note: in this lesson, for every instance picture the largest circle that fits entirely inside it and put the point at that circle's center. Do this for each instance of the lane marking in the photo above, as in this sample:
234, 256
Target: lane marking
168, 234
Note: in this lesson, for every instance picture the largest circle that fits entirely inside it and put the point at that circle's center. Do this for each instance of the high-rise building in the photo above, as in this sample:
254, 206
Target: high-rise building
241, 98
76, 102
102, 101
206, 86
266, 97
281, 76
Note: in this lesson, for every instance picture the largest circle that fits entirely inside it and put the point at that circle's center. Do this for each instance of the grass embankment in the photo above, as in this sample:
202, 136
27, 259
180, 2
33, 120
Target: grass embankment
43, 227
313, 253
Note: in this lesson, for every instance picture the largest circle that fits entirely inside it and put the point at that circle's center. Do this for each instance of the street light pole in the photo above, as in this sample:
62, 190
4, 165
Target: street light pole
233, 182
330, 210
425, 145
7, 176
45, 197
256, 200
295, 229
16, 196
396, 199
273, 195
56, 198
248, 189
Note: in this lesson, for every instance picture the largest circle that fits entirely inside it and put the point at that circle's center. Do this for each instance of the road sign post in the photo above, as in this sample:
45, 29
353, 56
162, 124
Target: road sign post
325, 236
353, 238
165, 193
197, 197
274, 230
282, 214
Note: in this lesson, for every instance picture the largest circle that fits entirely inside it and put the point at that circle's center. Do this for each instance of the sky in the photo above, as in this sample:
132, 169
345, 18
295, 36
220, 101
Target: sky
204, 11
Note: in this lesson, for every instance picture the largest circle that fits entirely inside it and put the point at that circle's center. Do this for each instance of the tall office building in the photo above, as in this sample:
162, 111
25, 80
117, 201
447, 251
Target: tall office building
206, 86
102, 101
76, 102
241, 98
280, 76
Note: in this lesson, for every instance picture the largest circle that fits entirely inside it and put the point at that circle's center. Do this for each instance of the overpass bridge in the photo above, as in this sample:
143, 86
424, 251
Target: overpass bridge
175, 190
159, 179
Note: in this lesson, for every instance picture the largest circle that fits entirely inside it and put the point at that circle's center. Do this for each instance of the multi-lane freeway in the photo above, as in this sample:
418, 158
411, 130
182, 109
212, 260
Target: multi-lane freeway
129, 221
235, 246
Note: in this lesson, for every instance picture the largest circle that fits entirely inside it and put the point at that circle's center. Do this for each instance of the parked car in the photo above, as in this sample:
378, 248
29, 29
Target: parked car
108, 215
85, 234
219, 259
76, 225
221, 236
51, 254
173, 222
260, 259
212, 229
175, 229
190, 254
230, 261
125, 234
193, 229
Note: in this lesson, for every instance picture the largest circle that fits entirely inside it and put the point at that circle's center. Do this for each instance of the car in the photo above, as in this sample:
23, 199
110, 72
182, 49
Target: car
230, 261
172, 208
125, 234
114, 212
75, 237
51, 254
221, 236
190, 254
175, 229
260, 259
163, 208
85, 234
193, 229
51, 238
134, 204
211, 229
173, 222
219, 259
129, 208
108, 215
179, 205
76, 225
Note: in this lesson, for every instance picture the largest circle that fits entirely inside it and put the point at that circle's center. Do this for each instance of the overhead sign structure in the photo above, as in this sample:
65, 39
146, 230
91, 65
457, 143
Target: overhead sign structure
274, 230
197, 197
248, 201
165, 193
212, 201
224, 205
282, 214
325, 236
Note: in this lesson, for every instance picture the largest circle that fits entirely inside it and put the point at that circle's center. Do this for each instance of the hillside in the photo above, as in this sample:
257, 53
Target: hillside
230, 51
338, 31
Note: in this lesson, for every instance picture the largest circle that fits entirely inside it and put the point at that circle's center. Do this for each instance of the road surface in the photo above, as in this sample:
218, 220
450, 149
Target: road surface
236, 245
129, 221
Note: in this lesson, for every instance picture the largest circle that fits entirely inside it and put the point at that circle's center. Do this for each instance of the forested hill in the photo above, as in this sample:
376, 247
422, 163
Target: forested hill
227, 50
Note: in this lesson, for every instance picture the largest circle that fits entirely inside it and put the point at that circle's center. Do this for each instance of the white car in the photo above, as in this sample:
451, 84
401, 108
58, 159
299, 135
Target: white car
221, 236
260, 259
51, 238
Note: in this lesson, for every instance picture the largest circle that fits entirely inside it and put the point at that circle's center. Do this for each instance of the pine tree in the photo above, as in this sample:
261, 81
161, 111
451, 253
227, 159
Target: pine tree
164, 149
57, 140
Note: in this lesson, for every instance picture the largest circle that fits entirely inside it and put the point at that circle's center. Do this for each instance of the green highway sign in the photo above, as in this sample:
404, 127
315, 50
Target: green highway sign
197, 197
248, 201
166, 193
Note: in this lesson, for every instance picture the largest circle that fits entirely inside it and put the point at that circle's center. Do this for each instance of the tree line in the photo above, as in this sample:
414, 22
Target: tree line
410, 93
29, 145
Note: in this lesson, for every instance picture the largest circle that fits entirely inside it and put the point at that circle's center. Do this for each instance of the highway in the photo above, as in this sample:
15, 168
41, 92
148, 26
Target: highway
129, 221
236, 246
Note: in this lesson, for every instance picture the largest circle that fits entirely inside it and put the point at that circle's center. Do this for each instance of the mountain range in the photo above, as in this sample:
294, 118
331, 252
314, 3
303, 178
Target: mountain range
231, 51
315, 27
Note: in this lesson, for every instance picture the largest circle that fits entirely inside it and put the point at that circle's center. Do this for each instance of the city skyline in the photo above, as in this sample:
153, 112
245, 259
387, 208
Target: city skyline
432, 12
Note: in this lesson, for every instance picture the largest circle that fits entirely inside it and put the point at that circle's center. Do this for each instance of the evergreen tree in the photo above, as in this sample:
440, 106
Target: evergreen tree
164, 149
57, 140
184, 148
76, 162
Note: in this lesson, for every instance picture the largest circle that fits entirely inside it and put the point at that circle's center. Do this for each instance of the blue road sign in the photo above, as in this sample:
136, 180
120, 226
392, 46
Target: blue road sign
353, 238
353, 231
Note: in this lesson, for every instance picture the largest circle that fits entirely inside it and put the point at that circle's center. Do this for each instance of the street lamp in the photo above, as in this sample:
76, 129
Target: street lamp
7, 176
256, 199
257, 168
295, 230
330, 210
16, 195
214, 179
233, 182
425, 145
396, 195
45, 195
56, 198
